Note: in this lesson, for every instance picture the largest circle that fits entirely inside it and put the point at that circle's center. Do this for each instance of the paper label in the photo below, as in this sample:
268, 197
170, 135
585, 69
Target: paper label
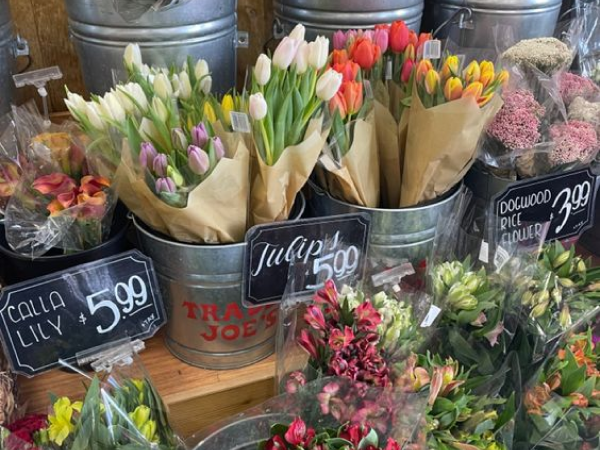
432, 49
388, 69
240, 122
433, 313
484, 252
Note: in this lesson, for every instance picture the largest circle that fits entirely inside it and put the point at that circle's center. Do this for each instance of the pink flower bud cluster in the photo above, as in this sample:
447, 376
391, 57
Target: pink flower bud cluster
575, 141
572, 86
517, 124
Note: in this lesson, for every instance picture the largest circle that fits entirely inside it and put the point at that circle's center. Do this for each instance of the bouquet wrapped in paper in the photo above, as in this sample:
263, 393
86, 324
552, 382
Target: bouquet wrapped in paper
60, 200
286, 103
175, 171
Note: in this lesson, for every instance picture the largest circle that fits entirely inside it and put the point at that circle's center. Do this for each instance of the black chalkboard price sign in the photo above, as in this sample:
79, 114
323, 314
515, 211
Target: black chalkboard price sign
326, 247
561, 206
56, 317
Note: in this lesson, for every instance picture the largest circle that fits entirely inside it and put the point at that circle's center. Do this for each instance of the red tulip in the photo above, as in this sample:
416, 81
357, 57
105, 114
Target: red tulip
349, 70
407, 70
365, 53
55, 183
399, 36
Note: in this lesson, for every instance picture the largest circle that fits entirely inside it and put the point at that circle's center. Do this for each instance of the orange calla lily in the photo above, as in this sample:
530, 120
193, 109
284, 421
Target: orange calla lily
55, 183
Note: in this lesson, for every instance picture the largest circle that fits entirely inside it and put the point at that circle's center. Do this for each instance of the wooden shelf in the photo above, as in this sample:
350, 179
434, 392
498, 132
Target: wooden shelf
196, 398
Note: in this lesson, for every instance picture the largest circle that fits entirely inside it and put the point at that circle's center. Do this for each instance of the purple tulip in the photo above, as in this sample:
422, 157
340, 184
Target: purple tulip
381, 37
339, 40
159, 165
199, 135
147, 154
198, 160
165, 185
219, 148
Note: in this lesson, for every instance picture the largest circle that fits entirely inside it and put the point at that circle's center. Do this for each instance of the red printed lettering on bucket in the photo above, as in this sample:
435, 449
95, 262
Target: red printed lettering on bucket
246, 322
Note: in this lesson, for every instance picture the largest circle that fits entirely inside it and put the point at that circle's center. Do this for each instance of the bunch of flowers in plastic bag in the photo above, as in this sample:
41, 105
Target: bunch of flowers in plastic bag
562, 406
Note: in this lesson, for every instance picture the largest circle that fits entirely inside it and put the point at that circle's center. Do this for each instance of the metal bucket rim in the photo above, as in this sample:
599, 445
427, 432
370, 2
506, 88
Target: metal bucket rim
446, 198
164, 239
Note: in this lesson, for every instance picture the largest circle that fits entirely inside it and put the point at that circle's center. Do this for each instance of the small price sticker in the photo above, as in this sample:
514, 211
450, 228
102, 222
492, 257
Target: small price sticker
240, 122
433, 313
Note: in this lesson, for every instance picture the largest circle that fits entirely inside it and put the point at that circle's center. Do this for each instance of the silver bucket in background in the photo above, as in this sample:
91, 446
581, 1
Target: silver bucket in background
200, 29
327, 16
396, 234
527, 18
208, 326
10, 48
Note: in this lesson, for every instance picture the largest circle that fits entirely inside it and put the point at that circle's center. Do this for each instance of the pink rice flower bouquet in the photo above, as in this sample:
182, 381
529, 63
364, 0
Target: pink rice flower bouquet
575, 142
572, 86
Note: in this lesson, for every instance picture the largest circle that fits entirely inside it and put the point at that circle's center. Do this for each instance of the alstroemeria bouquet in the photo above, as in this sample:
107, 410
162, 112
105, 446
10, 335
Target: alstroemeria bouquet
285, 103
562, 407
129, 416
172, 159
60, 201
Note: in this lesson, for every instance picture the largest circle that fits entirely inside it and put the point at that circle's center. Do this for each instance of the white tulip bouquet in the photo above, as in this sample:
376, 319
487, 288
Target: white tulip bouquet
171, 162
286, 103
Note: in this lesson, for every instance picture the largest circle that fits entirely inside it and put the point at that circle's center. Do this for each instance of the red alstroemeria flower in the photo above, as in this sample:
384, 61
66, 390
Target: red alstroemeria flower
314, 318
339, 339
308, 342
328, 296
54, 184
367, 317
355, 433
392, 445
298, 435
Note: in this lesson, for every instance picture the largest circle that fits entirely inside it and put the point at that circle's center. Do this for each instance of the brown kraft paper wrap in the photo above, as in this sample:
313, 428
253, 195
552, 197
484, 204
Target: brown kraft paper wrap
441, 146
217, 209
389, 156
274, 188
357, 181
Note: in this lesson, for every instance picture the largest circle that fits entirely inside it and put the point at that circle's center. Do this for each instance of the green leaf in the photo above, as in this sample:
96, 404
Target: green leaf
573, 381
484, 426
508, 413
278, 429
588, 387
443, 405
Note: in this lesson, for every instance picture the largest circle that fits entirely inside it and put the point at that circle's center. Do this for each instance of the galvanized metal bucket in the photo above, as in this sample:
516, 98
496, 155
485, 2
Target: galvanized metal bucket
200, 29
324, 17
10, 48
208, 326
527, 18
396, 234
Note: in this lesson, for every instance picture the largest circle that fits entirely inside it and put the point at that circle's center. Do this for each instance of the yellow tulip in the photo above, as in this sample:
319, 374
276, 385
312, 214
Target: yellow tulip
487, 73
503, 77
60, 422
432, 79
141, 419
453, 89
450, 67
209, 113
227, 105
474, 91
472, 72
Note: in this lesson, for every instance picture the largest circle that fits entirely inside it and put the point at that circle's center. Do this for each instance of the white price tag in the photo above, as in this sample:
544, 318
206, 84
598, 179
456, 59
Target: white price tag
484, 252
432, 49
433, 313
240, 122
389, 67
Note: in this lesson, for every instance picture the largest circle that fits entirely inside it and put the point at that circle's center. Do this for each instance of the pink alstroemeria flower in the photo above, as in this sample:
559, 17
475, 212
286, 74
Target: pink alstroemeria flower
314, 318
298, 434
339, 339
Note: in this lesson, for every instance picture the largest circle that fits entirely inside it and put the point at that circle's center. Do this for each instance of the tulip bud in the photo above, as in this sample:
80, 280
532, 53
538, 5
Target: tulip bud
556, 295
409, 52
262, 70
407, 70
328, 85
301, 60
176, 85
473, 90
566, 282
148, 130
285, 53
185, 88
432, 80
339, 40
219, 148
200, 135
450, 67
423, 68
111, 108
165, 185
75, 103
159, 165
539, 310
399, 36
138, 94
198, 160
453, 89
147, 154
258, 106
527, 298
298, 33
503, 77
201, 70
209, 113
381, 37
159, 109
206, 85
487, 73
564, 319
472, 73
561, 259
338, 103
174, 174
581, 268
162, 86
227, 106
132, 56
351, 36
124, 99
178, 139
318, 52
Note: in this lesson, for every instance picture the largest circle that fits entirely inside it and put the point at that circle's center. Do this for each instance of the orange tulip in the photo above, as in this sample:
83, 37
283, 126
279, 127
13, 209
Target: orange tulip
339, 57
399, 36
413, 38
453, 89
472, 72
423, 67
365, 53
450, 67
432, 80
353, 94
349, 70
474, 91
338, 102
409, 52
487, 73
423, 37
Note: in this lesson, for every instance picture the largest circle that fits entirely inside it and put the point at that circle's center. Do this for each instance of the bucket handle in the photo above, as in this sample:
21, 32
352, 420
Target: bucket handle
465, 20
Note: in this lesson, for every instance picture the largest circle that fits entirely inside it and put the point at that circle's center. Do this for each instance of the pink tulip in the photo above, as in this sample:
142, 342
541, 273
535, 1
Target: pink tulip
198, 160
381, 37
147, 154
165, 185
200, 135
159, 165
219, 148
339, 40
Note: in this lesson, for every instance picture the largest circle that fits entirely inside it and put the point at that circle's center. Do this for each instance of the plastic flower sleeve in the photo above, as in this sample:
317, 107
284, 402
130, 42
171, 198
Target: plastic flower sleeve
121, 410
322, 413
